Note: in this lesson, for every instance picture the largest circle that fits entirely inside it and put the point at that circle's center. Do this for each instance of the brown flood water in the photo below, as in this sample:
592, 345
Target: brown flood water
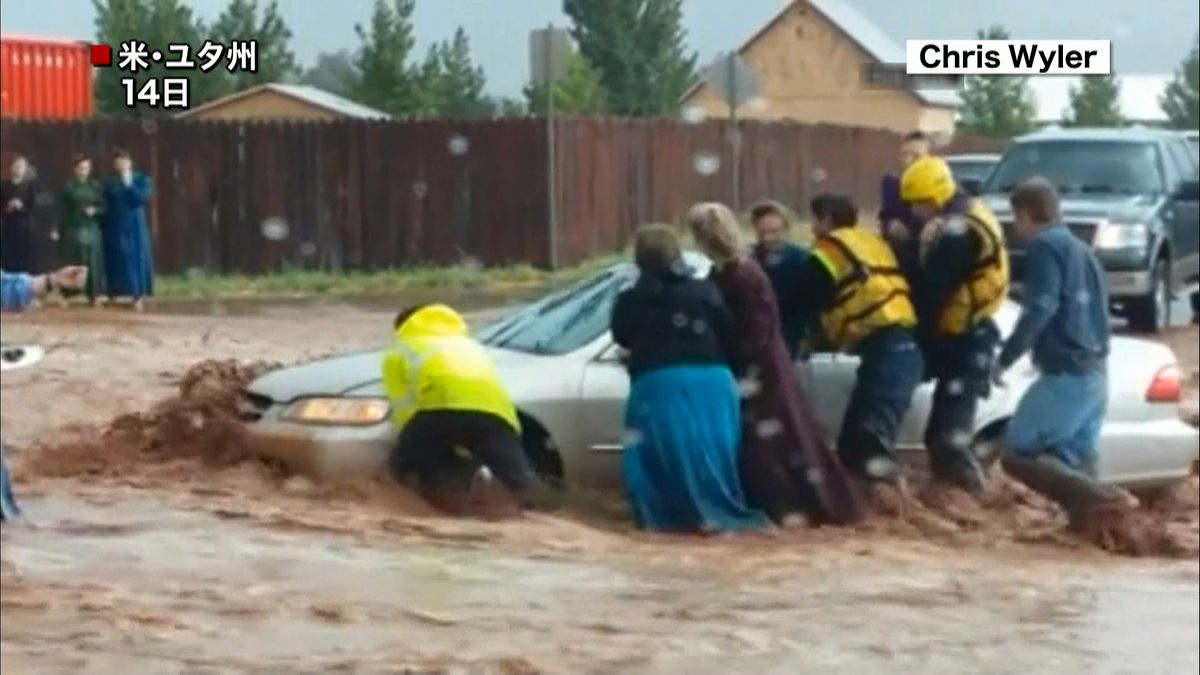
159, 546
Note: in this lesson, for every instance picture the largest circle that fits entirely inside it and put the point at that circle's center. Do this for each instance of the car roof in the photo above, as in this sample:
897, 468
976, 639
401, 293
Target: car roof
973, 157
1103, 134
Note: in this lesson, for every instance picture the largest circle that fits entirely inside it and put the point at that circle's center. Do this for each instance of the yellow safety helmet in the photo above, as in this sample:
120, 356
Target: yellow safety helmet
928, 179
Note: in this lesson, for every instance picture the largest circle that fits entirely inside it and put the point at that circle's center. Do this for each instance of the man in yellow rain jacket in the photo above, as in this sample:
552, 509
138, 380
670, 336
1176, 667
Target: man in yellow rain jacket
453, 413
859, 295
963, 282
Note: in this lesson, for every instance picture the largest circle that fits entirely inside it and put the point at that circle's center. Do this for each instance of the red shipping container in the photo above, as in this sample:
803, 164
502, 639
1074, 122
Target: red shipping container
44, 78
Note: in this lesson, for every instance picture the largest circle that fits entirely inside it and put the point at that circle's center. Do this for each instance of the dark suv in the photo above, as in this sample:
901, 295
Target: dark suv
1131, 194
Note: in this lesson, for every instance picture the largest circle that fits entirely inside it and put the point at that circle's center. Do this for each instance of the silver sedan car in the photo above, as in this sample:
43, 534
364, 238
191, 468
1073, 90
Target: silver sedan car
329, 418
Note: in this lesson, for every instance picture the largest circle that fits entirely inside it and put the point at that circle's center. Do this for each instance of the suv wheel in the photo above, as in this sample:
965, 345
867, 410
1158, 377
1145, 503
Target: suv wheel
1151, 313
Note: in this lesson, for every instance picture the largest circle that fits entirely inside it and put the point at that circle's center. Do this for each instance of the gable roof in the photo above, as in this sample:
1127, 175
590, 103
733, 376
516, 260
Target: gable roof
862, 32
1138, 101
311, 95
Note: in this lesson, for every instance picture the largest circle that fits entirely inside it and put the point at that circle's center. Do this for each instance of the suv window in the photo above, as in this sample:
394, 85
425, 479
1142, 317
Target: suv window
1119, 167
1181, 154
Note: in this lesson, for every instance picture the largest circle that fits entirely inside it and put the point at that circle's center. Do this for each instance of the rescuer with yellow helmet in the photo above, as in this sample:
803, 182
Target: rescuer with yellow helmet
860, 297
963, 282
454, 414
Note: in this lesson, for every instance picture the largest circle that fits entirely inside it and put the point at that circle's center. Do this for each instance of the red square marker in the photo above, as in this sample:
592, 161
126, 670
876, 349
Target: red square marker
101, 55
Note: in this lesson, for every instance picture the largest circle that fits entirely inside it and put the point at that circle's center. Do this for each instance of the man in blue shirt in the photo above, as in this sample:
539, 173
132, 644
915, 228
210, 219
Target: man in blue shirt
784, 263
1053, 434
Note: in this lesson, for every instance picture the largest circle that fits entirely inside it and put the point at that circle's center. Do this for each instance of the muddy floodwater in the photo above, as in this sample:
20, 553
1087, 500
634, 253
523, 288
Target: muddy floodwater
207, 561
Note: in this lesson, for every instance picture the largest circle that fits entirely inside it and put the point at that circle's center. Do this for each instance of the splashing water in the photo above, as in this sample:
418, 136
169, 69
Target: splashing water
706, 162
819, 175
471, 263
694, 114
458, 145
420, 189
275, 228
308, 249
149, 126
749, 386
44, 198
768, 428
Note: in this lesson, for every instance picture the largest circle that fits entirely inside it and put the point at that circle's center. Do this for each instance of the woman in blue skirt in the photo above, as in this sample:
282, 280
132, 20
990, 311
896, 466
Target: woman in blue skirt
680, 465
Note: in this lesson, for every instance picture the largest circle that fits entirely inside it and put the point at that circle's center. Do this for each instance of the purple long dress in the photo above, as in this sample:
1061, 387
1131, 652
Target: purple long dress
785, 463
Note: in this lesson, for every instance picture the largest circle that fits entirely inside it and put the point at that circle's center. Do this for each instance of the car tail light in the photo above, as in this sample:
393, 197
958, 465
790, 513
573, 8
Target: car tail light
1167, 385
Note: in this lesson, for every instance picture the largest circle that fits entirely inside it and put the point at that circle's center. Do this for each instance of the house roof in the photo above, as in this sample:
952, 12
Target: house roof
311, 95
1139, 97
863, 33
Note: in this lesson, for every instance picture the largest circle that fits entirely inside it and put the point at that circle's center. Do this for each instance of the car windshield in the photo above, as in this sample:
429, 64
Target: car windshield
971, 169
562, 322
1113, 167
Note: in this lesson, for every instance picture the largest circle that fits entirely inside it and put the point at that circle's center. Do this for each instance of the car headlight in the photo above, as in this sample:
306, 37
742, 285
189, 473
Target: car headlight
345, 411
1122, 235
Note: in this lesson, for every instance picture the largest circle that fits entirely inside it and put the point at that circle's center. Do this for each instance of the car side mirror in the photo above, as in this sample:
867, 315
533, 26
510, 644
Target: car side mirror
1188, 191
971, 186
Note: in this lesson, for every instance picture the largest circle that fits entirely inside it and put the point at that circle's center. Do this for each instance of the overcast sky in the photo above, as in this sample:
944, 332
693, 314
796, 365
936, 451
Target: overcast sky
1149, 36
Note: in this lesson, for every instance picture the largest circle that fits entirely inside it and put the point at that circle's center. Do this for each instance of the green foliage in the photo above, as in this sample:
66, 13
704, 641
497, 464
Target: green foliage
578, 92
245, 20
1000, 106
1096, 102
451, 84
1181, 100
638, 48
386, 79
334, 72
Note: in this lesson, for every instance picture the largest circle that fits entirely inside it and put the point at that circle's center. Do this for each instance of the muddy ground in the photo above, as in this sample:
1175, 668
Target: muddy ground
152, 543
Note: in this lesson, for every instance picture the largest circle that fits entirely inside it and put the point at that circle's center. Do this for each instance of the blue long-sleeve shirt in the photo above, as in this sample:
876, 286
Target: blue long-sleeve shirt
16, 291
785, 266
1065, 316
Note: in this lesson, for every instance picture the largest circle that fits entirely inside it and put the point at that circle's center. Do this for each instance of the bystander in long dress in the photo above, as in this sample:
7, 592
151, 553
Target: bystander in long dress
787, 467
128, 250
81, 206
18, 246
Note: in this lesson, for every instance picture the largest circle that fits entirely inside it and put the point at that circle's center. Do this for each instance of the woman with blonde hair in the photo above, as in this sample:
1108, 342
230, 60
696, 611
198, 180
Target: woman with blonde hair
786, 466
680, 464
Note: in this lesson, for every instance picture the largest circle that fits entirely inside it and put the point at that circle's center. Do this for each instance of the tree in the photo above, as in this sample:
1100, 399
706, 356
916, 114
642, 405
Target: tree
1181, 100
334, 72
509, 107
996, 105
243, 20
386, 79
158, 24
638, 49
451, 84
577, 92
1096, 102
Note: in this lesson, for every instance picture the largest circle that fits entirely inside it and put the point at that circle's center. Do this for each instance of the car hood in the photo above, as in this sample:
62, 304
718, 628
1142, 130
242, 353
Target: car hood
1118, 208
358, 375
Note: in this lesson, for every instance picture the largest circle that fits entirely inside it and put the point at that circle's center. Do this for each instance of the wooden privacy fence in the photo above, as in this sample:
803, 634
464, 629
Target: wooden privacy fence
372, 195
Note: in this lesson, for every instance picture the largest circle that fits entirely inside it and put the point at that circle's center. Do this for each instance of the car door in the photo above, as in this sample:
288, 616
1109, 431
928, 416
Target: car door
833, 377
1184, 215
602, 434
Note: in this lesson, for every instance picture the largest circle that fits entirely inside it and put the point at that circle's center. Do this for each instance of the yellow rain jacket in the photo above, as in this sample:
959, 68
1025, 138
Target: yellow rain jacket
870, 291
435, 365
984, 292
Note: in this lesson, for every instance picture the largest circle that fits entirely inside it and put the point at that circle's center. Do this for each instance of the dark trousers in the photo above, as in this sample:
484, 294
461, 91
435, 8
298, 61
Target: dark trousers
443, 447
962, 365
888, 373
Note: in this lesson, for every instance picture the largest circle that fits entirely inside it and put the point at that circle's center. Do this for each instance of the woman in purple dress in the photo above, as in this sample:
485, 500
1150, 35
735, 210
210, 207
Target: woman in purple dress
787, 468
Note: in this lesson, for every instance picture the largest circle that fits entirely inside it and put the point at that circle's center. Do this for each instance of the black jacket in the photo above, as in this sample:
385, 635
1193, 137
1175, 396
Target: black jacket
671, 319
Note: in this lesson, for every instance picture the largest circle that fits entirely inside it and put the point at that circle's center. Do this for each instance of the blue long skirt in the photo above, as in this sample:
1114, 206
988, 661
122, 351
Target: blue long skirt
680, 466
8, 503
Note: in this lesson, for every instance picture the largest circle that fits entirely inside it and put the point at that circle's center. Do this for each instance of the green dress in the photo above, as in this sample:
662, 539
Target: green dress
79, 233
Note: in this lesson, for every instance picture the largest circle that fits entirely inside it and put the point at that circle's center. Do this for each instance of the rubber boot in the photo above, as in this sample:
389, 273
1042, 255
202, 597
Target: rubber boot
1078, 494
959, 469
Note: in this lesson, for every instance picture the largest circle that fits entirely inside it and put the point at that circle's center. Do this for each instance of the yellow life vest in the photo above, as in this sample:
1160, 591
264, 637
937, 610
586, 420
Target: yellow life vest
870, 290
435, 365
987, 286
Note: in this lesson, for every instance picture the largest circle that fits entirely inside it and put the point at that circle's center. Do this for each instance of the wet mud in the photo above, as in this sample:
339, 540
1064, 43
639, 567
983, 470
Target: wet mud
156, 541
